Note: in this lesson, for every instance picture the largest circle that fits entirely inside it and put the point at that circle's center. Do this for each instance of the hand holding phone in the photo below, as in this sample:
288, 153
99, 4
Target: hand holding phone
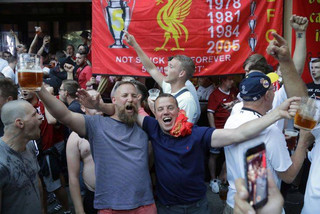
256, 175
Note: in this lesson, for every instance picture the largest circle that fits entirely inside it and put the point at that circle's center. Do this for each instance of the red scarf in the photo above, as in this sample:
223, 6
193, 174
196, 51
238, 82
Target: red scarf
181, 127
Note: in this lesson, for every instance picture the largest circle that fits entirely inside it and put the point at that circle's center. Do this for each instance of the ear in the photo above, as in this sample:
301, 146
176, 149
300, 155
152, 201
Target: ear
113, 99
19, 123
182, 73
10, 98
139, 97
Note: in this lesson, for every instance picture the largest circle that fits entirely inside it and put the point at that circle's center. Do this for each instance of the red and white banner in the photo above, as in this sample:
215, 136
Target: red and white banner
311, 10
217, 34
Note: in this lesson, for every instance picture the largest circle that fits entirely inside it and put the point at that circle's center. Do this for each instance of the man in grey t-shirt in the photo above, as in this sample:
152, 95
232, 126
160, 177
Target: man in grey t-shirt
119, 148
19, 183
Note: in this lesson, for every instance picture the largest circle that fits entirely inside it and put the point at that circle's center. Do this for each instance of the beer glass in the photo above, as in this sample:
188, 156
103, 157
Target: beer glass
307, 115
30, 74
291, 136
154, 93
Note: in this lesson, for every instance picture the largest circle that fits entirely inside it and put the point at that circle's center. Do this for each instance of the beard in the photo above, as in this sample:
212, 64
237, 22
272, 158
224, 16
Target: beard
125, 118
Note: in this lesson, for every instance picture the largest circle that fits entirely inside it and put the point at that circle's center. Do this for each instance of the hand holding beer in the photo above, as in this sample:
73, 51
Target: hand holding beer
307, 115
30, 74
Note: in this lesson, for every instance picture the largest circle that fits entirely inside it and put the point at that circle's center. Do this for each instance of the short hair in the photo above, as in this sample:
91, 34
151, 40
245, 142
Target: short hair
142, 89
12, 110
7, 52
86, 49
8, 88
315, 60
187, 64
71, 86
70, 46
118, 84
258, 62
165, 95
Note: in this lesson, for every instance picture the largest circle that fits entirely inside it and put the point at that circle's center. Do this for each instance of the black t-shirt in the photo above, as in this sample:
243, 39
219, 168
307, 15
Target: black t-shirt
313, 89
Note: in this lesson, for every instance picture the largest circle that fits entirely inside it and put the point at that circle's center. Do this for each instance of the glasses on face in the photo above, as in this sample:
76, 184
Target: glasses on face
62, 89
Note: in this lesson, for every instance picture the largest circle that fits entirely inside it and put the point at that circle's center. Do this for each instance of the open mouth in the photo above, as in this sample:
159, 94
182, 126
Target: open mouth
129, 107
167, 119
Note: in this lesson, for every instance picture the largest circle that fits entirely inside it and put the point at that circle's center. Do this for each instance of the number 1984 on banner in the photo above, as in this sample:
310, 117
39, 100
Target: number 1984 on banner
223, 46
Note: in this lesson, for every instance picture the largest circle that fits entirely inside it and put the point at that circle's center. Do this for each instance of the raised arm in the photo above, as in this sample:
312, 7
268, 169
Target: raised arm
58, 110
34, 41
150, 67
224, 137
279, 49
73, 160
299, 24
94, 102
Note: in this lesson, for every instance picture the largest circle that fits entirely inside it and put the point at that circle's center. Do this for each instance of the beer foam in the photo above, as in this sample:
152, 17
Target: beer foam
30, 71
291, 133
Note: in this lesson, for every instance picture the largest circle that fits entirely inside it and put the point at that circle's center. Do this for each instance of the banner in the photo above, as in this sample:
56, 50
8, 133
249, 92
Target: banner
311, 10
217, 34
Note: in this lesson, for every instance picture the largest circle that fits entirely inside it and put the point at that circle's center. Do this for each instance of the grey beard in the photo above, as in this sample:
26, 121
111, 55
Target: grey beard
129, 120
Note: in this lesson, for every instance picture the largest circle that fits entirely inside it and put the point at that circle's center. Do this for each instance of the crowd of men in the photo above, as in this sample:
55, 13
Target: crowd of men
109, 148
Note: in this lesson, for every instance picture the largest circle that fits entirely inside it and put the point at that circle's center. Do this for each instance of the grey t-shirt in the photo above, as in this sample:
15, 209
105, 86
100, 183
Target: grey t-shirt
19, 180
120, 154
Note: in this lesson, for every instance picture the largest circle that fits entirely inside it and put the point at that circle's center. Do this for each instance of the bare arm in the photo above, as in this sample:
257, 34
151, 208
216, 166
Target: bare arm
73, 160
16, 38
299, 24
210, 116
224, 137
69, 69
305, 140
74, 121
33, 44
150, 67
294, 85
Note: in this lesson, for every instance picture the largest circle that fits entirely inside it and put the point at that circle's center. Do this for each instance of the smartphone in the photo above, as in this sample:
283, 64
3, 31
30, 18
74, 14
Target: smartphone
256, 175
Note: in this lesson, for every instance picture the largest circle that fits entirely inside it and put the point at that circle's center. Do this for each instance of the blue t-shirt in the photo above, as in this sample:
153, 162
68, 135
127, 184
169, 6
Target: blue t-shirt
179, 163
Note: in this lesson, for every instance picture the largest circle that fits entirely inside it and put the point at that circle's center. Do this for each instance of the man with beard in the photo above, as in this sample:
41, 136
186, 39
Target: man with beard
120, 151
19, 183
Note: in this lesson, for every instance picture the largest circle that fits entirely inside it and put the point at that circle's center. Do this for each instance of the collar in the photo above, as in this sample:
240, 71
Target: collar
253, 111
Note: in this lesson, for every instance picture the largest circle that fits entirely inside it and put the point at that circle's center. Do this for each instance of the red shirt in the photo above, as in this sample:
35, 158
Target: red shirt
50, 134
215, 105
84, 74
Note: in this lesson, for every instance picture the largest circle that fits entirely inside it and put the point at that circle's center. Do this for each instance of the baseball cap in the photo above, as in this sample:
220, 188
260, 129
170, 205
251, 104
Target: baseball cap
255, 85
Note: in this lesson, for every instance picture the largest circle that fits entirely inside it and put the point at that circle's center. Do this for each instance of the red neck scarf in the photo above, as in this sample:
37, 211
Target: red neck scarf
181, 127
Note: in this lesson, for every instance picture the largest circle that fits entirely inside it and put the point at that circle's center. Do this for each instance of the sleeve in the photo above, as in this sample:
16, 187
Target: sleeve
277, 151
4, 175
90, 127
279, 97
212, 103
149, 125
190, 107
207, 137
88, 73
166, 87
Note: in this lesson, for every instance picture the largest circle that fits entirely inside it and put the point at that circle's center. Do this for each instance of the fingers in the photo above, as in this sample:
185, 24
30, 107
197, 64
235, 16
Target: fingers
279, 39
241, 204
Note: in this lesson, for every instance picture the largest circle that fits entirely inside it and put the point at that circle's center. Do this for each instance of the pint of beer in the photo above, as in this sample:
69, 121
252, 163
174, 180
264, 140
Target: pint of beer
291, 138
30, 74
307, 115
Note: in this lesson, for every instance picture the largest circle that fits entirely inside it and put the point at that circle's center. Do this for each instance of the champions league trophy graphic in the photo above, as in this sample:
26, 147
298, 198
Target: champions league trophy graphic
117, 16
252, 25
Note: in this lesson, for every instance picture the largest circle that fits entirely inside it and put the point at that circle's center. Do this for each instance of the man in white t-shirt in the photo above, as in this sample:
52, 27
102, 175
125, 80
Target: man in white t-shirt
257, 93
180, 69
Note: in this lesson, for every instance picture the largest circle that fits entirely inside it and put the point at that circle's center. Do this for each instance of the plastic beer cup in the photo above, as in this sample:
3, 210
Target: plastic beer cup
307, 115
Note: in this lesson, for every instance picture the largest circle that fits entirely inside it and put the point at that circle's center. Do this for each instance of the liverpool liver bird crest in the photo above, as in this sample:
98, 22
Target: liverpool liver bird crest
170, 18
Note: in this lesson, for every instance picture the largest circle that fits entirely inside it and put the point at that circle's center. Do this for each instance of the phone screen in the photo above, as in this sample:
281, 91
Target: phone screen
256, 175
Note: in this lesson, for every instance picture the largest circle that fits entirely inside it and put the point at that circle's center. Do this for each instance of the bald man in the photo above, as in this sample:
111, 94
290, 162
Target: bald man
19, 183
